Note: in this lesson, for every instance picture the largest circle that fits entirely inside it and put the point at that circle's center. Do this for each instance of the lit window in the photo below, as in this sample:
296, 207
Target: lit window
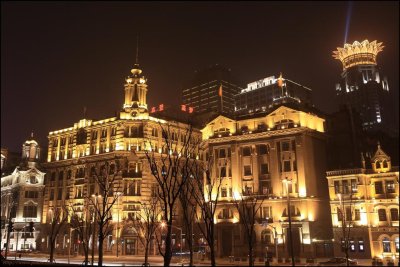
361, 245
386, 245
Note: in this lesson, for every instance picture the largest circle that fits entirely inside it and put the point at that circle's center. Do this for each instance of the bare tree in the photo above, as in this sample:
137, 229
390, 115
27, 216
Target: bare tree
82, 222
58, 220
345, 215
9, 204
189, 205
206, 195
103, 202
169, 169
146, 224
248, 206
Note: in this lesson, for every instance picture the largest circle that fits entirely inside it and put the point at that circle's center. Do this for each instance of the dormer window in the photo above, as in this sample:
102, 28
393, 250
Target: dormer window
32, 179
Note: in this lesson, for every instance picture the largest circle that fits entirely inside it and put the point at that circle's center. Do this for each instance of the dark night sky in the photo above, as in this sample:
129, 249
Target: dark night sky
58, 57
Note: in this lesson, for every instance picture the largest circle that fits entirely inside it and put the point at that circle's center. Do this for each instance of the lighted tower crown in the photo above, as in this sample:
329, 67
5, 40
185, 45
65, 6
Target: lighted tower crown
358, 53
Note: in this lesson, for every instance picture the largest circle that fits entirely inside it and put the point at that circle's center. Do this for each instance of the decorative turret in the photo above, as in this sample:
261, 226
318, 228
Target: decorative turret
31, 152
363, 53
135, 91
380, 161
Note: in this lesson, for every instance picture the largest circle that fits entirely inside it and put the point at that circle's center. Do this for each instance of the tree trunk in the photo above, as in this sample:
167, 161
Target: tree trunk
100, 249
250, 253
146, 253
52, 248
190, 250
212, 255
168, 251
86, 253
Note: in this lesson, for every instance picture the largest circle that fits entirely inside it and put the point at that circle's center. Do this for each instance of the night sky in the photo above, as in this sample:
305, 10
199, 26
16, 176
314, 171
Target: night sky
58, 57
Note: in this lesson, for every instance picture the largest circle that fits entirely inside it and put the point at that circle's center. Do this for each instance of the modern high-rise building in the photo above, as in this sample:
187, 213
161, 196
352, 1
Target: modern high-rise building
364, 87
211, 90
22, 201
365, 208
260, 95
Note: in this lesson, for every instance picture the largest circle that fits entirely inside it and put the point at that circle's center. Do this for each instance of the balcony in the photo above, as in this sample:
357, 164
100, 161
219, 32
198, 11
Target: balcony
79, 181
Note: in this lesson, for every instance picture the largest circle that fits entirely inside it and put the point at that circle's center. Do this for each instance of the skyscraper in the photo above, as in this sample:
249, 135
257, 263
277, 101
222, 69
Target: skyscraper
363, 87
211, 89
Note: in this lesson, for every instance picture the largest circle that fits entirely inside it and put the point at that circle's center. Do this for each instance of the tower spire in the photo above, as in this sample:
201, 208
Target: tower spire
137, 49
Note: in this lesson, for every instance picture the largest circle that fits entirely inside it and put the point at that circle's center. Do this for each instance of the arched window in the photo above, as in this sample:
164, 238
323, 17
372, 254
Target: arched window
266, 236
386, 245
378, 164
384, 164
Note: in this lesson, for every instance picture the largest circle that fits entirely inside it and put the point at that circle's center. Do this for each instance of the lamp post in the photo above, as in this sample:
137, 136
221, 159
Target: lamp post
180, 229
287, 181
70, 243
119, 194
94, 225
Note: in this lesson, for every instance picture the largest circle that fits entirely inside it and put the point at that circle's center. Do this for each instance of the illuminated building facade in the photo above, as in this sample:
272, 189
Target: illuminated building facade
211, 90
254, 156
369, 198
22, 200
260, 95
75, 153
363, 86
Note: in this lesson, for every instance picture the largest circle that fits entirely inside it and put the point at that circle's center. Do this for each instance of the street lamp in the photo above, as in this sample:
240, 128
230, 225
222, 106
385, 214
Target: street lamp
287, 181
70, 243
94, 225
119, 194
180, 229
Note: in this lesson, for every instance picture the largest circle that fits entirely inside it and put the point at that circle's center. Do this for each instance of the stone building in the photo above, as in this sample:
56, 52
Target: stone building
369, 198
254, 155
77, 152
22, 200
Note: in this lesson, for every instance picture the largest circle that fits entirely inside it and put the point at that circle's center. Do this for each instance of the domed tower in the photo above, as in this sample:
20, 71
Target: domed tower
363, 86
135, 91
31, 152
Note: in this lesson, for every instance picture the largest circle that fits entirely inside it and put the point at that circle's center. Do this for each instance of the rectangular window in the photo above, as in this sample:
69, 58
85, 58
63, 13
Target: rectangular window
266, 212
378, 188
223, 192
352, 246
222, 153
285, 146
354, 186
223, 171
51, 194
339, 214
247, 170
382, 215
345, 186
390, 188
336, 185
59, 194
246, 151
30, 211
357, 214
394, 214
262, 149
264, 168
31, 194
286, 166
360, 245
348, 214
